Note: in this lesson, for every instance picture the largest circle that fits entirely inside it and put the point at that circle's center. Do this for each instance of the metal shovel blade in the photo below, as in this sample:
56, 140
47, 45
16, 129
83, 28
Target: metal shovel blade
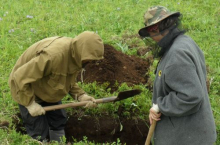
127, 94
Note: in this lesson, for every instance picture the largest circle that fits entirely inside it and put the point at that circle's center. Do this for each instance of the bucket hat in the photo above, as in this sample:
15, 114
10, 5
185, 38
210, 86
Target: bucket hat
154, 15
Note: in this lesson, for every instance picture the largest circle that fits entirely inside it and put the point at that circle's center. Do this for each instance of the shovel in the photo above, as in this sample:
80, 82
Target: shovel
150, 133
121, 96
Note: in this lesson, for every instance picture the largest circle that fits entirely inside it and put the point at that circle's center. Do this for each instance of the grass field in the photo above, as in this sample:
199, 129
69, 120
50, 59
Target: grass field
23, 22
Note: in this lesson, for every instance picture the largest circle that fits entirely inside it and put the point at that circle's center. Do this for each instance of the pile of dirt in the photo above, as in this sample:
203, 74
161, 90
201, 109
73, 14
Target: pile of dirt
116, 67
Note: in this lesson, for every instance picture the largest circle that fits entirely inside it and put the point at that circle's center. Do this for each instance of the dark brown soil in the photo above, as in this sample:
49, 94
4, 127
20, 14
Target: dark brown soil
4, 125
106, 129
116, 67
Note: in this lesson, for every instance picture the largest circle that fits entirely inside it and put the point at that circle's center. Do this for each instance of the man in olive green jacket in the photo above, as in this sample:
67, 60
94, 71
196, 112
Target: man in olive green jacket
45, 73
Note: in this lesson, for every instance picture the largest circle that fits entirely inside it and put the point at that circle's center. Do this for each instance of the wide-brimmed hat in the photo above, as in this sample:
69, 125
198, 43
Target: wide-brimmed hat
154, 15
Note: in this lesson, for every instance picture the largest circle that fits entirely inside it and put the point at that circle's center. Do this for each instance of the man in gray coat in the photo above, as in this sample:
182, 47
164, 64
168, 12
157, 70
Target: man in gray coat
181, 103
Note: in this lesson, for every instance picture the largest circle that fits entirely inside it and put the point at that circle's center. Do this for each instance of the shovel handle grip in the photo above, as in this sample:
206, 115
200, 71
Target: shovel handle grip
150, 133
77, 104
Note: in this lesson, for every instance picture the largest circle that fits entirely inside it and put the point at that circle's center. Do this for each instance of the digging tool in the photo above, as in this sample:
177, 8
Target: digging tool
121, 96
150, 133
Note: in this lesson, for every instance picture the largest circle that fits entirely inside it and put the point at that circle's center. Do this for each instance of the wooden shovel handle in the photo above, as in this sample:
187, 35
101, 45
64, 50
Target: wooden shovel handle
150, 133
77, 104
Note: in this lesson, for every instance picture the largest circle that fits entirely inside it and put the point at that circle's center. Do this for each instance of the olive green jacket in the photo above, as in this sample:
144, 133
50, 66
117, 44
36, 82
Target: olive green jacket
48, 69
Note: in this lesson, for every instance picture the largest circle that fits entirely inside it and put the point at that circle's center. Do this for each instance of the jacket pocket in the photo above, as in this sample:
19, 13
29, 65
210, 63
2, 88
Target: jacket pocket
57, 81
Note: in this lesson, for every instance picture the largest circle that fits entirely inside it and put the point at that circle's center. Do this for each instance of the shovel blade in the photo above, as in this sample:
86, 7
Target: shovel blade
127, 94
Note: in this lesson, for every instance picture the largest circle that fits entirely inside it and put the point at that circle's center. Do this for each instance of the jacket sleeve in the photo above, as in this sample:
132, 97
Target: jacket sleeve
28, 73
76, 91
185, 89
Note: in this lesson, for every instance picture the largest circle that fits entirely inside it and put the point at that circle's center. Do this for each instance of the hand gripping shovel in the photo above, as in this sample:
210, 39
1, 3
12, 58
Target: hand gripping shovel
121, 96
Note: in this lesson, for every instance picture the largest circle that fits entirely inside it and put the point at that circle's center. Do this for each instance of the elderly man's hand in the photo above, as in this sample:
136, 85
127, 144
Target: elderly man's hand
154, 113
35, 109
91, 103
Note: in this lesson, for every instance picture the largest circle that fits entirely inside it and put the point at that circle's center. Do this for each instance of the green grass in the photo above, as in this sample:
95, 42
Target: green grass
23, 22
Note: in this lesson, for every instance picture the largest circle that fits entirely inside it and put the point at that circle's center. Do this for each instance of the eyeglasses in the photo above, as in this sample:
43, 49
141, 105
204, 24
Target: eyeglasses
152, 28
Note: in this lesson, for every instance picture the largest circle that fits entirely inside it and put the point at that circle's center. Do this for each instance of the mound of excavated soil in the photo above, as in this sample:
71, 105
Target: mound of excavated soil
116, 67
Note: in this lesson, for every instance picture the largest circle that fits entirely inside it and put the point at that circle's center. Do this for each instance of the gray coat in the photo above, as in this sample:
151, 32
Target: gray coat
181, 94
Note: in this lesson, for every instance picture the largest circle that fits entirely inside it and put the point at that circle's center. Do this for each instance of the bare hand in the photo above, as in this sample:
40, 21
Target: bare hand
153, 115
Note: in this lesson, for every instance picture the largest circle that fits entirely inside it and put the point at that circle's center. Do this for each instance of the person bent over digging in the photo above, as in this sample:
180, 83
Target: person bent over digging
180, 100
45, 73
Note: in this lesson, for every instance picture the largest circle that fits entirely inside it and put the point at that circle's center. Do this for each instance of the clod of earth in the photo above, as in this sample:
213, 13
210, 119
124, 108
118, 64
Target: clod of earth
4, 124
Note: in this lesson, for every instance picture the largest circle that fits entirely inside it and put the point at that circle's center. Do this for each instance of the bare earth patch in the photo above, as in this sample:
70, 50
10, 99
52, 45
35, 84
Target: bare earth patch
117, 66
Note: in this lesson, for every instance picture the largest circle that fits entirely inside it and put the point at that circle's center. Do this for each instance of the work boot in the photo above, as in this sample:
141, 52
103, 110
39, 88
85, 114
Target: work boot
56, 135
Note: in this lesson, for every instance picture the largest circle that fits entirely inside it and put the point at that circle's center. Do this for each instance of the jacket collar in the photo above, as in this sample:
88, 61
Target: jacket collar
166, 42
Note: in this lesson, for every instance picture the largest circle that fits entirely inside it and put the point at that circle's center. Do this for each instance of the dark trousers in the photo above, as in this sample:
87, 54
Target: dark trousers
38, 127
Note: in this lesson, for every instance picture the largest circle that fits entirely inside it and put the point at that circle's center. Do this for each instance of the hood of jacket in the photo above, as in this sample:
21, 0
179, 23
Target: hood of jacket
87, 46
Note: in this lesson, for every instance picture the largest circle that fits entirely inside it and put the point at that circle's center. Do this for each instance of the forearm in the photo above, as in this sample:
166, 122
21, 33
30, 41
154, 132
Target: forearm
76, 91
177, 104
